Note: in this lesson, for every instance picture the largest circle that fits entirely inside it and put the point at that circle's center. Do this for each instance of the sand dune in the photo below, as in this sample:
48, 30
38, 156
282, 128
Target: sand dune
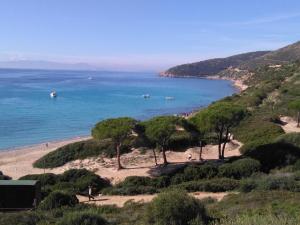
18, 163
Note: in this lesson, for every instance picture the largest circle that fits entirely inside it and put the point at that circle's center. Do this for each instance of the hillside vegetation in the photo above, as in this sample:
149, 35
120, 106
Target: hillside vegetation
212, 66
243, 64
263, 182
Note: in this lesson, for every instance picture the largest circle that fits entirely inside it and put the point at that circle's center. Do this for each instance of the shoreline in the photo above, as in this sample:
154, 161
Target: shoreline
237, 83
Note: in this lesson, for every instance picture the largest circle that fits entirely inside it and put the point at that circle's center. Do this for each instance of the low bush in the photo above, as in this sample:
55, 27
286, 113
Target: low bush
240, 168
74, 180
45, 179
175, 208
77, 150
195, 172
290, 138
58, 199
275, 155
82, 178
270, 182
255, 131
22, 218
4, 177
134, 185
82, 219
213, 185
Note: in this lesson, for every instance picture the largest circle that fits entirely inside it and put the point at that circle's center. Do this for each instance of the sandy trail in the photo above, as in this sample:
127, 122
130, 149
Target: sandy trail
290, 125
121, 200
18, 163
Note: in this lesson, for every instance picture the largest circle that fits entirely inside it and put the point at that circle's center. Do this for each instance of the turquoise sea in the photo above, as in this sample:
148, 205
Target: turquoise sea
29, 116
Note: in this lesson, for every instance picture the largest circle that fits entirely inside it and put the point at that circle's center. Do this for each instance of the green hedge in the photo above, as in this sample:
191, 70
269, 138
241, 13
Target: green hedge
74, 180
291, 138
274, 155
4, 177
213, 185
77, 150
175, 208
85, 218
240, 168
58, 199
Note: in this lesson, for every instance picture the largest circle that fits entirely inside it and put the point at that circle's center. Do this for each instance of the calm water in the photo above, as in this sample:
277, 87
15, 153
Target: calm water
29, 116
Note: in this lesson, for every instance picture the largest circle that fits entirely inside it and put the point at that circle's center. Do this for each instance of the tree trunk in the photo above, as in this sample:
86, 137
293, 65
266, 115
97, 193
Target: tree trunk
220, 143
164, 156
119, 157
225, 142
155, 159
200, 153
298, 119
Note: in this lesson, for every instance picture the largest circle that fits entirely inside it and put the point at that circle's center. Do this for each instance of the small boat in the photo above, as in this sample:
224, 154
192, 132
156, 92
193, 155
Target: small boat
53, 94
169, 98
90, 78
146, 96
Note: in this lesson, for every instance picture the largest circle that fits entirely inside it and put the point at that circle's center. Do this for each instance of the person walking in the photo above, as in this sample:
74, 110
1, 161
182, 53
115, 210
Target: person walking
90, 193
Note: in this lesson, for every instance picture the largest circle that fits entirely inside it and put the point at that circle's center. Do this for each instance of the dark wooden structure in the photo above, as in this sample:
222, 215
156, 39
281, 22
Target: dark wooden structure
19, 194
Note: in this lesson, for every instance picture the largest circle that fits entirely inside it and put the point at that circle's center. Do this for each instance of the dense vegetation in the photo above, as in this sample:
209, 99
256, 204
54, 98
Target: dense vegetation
245, 62
212, 66
264, 180
74, 181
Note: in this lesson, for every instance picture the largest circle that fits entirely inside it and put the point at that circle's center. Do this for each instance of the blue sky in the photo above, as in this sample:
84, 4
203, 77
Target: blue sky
143, 34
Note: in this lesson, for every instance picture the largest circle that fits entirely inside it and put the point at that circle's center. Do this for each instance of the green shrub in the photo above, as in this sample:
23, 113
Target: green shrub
240, 168
21, 218
82, 178
200, 172
74, 180
134, 185
175, 208
58, 199
290, 138
77, 150
45, 179
4, 177
82, 219
275, 155
255, 131
278, 183
270, 182
268, 219
181, 140
213, 185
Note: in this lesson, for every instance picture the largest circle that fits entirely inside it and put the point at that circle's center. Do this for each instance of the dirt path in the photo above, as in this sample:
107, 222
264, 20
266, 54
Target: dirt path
290, 125
121, 200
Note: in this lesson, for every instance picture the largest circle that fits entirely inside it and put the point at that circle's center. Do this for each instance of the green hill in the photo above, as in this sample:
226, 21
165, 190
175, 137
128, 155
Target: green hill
247, 61
212, 66
283, 55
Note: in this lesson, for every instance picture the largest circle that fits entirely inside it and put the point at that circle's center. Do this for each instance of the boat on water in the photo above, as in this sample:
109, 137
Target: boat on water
169, 98
146, 96
53, 94
90, 78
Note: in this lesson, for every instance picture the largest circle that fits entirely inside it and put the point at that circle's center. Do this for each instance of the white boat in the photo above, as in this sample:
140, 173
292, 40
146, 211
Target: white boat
53, 94
146, 96
90, 78
169, 98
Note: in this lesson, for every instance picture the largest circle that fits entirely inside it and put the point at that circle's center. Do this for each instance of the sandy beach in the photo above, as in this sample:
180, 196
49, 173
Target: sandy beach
237, 83
17, 163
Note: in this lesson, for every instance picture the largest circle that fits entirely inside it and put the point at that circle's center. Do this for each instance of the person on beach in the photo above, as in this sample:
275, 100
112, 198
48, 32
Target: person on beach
90, 193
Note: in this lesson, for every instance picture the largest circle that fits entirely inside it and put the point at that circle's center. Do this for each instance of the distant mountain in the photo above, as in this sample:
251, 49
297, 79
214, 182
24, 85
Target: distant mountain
212, 66
32, 64
281, 56
242, 62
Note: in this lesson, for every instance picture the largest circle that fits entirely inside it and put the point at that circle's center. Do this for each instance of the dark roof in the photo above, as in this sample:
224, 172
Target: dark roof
18, 182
